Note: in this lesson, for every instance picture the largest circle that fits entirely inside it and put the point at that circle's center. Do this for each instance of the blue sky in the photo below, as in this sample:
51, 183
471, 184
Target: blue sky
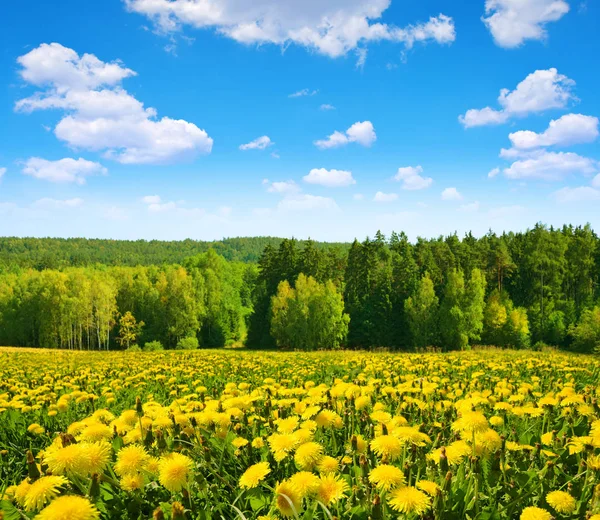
332, 119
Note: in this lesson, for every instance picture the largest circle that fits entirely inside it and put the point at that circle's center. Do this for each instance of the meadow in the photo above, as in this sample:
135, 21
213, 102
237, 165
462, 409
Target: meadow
490, 434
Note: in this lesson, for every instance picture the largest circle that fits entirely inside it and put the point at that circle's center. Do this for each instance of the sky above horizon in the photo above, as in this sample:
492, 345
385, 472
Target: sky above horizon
330, 119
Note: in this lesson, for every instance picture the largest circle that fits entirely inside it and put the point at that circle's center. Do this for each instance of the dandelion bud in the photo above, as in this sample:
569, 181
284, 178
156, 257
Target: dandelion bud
32, 469
377, 508
177, 511
443, 460
354, 442
158, 514
138, 406
94, 491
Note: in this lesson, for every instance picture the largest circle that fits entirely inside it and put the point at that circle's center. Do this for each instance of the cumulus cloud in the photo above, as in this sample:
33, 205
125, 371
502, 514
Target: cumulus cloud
329, 178
151, 199
2, 172
411, 178
451, 194
260, 143
471, 207
568, 130
305, 202
327, 106
493, 172
63, 170
332, 28
358, 196
98, 114
362, 133
512, 22
579, 194
550, 166
385, 197
55, 204
284, 187
596, 181
539, 91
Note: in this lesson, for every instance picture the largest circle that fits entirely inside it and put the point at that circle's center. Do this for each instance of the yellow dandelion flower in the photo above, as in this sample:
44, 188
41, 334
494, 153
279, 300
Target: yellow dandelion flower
305, 482
386, 477
308, 454
288, 425
174, 471
131, 460
42, 491
97, 456
71, 508
36, 429
96, 432
258, 443
535, 513
328, 464
66, 461
561, 502
20, 492
132, 482
471, 422
387, 446
281, 445
287, 499
254, 475
331, 489
431, 488
409, 500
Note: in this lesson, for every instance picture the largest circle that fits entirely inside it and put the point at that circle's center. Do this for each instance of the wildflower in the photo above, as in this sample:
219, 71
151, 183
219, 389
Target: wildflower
132, 482
386, 477
308, 454
66, 461
131, 460
254, 475
281, 445
535, 513
387, 446
331, 489
561, 502
71, 508
96, 432
328, 464
258, 443
36, 429
471, 422
305, 482
409, 500
287, 499
96, 455
174, 471
43, 491
431, 488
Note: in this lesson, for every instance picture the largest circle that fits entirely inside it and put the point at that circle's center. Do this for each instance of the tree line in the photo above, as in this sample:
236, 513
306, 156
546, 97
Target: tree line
515, 290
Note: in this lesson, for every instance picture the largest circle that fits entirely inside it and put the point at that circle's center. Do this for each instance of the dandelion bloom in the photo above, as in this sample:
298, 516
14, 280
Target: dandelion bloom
409, 500
71, 508
97, 455
305, 482
387, 446
287, 499
331, 489
131, 482
561, 502
281, 445
174, 471
43, 491
386, 477
535, 513
471, 422
36, 429
131, 460
328, 464
254, 475
431, 488
66, 461
308, 454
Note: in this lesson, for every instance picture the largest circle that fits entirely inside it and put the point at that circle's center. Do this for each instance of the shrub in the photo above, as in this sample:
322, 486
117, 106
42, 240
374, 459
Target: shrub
134, 348
189, 343
151, 346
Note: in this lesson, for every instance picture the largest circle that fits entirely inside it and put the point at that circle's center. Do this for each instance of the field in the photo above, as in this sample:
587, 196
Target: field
225, 435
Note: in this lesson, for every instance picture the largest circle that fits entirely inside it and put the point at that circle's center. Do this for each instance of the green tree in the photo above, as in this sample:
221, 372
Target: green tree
422, 313
129, 330
586, 334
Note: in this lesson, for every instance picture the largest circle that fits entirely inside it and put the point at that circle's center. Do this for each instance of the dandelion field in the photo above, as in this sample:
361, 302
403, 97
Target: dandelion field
228, 435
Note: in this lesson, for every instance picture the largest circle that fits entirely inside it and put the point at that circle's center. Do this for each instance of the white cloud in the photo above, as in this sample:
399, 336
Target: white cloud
493, 172
511, 22
385, 197
358, 196
307, 202
260, 143
151, 199
303, 92
329, 178
362, 133
160, 207
55, 204
285, 187
99, 114
567, 130
451, 194
541, 90
550, 166
471, 207
225, 211
63, 170
2, 172
411, 178
333, 28
327, 106
579, 194
596, 181
504, 212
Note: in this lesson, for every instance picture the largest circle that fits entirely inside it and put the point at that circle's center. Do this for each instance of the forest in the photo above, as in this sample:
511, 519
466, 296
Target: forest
520, 290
